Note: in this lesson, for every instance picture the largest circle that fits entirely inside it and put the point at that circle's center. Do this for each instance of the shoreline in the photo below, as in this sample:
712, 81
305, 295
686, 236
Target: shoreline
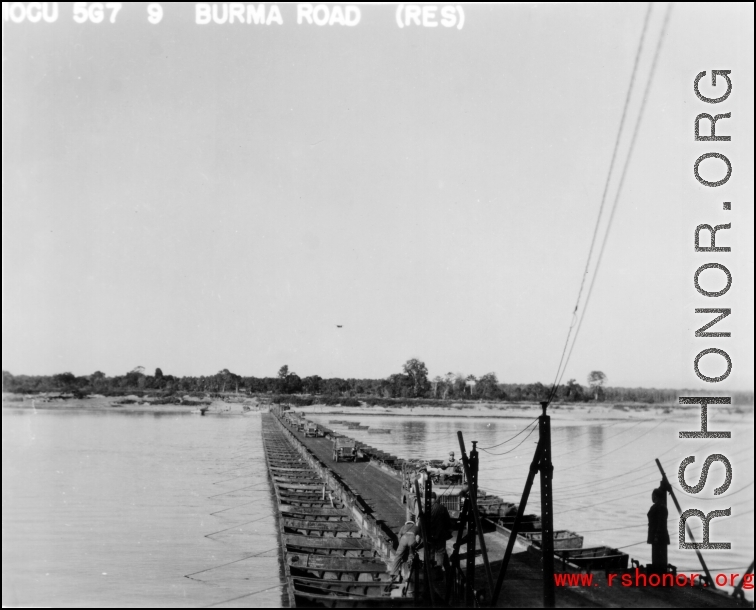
105, 404
576, 412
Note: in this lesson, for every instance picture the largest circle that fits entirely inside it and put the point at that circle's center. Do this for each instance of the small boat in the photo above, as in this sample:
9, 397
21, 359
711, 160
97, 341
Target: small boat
379, 431
563, 539
529, 523
594, 558
336, 421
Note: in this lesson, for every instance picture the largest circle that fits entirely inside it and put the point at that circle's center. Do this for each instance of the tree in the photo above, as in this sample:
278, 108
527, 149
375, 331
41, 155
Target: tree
283, 372
596, 380
226, 377
418, 373
449, 379
470, 382
573, 391
64, 381
158, 373
292, 384
399, 386
487, 386
98, 381
135, 377
311, 384
437, 381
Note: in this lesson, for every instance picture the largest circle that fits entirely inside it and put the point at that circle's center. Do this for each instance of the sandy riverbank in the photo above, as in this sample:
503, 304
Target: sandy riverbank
573, 412
576, 412
132, 404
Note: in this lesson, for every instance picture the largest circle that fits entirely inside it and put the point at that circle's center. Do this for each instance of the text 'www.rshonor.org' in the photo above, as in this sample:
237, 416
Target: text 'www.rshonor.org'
641, 579
705, 130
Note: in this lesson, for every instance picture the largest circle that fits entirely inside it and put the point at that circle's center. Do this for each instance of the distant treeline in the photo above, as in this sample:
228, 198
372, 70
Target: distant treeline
411, 383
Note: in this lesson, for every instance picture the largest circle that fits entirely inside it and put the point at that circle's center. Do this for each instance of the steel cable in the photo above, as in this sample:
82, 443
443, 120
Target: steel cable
631, 148
617, 140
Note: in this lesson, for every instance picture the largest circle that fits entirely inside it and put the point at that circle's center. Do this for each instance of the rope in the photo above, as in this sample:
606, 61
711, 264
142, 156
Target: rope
640, 468
611, 529
598, 503
606, 439
604, 490
615, 449
588, 431
510, 438
718, 498
516, 446
698, 569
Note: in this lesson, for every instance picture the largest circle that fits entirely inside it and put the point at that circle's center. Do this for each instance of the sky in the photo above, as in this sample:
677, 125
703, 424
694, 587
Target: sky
341, 199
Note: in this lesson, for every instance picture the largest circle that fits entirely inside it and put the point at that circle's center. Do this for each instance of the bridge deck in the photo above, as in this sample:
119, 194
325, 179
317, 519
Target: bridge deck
380, 490
523, 586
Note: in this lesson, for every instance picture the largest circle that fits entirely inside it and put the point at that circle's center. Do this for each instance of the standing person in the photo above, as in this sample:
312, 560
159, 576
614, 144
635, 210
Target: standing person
409, 537
440, 532
658, 536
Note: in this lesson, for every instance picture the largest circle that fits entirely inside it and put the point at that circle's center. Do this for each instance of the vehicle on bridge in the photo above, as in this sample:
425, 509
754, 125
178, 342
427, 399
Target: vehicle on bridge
448, 483
344, 450
312, 430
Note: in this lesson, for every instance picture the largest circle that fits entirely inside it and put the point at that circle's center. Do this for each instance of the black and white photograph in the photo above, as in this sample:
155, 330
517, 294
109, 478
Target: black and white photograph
351, 305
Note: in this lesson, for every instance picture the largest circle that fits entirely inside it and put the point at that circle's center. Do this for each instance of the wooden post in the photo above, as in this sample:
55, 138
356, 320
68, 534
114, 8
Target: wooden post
425, 529
737, 593
516, 524
472, 491
471, 473
416, 575
454, 561
478, 524
547, 508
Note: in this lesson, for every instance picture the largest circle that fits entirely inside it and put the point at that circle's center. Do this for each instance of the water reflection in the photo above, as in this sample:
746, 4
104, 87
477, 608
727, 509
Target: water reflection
596, 439
604, 472
137, 509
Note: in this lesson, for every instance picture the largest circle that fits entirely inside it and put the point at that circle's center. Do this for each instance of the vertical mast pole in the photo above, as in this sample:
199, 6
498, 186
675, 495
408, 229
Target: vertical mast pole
546, 469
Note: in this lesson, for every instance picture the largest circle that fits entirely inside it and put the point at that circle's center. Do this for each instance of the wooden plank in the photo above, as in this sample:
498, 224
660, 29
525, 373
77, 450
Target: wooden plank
355, 600
333, 563
304, 501
309, 503
312, 479
299, 492
292, 498
279, 481
323, 526
317, 542
299, 486
318, 512
340, 584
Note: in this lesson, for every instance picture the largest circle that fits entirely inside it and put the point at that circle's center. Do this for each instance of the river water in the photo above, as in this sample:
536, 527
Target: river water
604, 472
118, 509
135, 509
